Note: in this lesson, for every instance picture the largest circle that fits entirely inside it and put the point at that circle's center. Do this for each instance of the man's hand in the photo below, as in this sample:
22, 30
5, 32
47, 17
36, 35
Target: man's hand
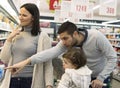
14, 69
49, 86
18, 67
97, 84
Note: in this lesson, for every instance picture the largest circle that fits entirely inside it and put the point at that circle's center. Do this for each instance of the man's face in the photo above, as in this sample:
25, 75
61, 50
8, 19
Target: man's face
67, 39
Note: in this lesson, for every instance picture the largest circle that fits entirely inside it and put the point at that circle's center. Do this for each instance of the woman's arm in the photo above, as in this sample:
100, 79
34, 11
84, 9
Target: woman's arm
5, 54
6, 50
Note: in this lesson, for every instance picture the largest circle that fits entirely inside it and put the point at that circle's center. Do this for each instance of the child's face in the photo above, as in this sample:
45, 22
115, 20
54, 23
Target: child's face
67, 64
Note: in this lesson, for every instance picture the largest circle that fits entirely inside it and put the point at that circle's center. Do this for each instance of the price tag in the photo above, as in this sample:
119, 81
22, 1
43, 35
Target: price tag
110, 10
79, 6
108, 7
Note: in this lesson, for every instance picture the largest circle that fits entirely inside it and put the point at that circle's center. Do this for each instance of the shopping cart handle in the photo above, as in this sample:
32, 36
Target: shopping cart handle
104, 84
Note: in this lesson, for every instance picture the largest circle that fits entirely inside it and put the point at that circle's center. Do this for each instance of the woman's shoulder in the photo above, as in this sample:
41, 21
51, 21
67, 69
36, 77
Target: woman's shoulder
43, 34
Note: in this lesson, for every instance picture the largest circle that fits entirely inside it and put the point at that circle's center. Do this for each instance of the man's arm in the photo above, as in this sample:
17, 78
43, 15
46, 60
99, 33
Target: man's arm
18, 66
111, 56
39, 57
107, 50
48, 54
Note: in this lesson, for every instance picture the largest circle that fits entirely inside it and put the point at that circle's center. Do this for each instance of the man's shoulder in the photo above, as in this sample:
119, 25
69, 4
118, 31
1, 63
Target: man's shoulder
93, 32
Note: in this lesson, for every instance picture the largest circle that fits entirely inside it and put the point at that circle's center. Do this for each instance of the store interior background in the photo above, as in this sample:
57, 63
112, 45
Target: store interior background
110, 25
12, 7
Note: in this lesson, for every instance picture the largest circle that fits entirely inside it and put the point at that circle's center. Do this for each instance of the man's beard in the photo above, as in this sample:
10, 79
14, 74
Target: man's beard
74, 43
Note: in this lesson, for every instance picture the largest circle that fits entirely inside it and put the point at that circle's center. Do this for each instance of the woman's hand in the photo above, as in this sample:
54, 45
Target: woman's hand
13, 34
18, 66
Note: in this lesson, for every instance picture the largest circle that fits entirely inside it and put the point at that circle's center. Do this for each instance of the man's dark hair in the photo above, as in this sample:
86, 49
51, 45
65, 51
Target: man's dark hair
68, 27
33, 9
76, 56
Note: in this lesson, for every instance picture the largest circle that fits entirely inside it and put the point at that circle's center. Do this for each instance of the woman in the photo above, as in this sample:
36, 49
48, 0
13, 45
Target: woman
22, 44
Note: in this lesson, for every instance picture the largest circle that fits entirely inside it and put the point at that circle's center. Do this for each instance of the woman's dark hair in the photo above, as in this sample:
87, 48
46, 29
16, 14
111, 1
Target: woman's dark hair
33, 9
68, 27
76, 56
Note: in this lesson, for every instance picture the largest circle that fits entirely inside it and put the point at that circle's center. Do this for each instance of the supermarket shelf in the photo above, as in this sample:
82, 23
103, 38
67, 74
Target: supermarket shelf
3, 38
1, 48
114, 39
112, 33
8, 15
5, 29
118, 46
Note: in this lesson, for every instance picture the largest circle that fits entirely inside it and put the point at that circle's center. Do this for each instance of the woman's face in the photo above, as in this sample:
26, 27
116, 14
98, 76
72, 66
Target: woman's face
25, 17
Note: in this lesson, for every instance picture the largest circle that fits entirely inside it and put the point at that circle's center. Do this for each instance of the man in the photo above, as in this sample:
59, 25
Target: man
101, 57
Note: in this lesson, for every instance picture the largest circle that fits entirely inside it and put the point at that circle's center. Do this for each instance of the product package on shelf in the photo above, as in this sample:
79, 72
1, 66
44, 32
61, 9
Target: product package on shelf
1, 71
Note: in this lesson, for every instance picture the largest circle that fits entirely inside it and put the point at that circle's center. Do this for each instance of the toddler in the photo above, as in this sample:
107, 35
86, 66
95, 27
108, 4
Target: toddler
77, 74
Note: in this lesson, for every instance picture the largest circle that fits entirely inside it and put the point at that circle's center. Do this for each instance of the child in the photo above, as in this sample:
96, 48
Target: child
77, 74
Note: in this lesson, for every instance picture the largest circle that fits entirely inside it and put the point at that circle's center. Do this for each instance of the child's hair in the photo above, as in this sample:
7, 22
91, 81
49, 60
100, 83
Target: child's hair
76, 57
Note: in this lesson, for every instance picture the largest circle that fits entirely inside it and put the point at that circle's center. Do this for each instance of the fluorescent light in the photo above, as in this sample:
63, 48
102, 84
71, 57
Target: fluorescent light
98, 6
7, 7
107, 1
115, 21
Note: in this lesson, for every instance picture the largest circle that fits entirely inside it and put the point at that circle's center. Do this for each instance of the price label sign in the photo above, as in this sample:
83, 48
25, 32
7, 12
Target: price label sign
79, 6
89, 15
57, 17
110, 10
108, 7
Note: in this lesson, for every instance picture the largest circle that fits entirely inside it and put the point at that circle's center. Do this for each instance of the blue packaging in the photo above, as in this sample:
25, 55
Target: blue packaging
2, 71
